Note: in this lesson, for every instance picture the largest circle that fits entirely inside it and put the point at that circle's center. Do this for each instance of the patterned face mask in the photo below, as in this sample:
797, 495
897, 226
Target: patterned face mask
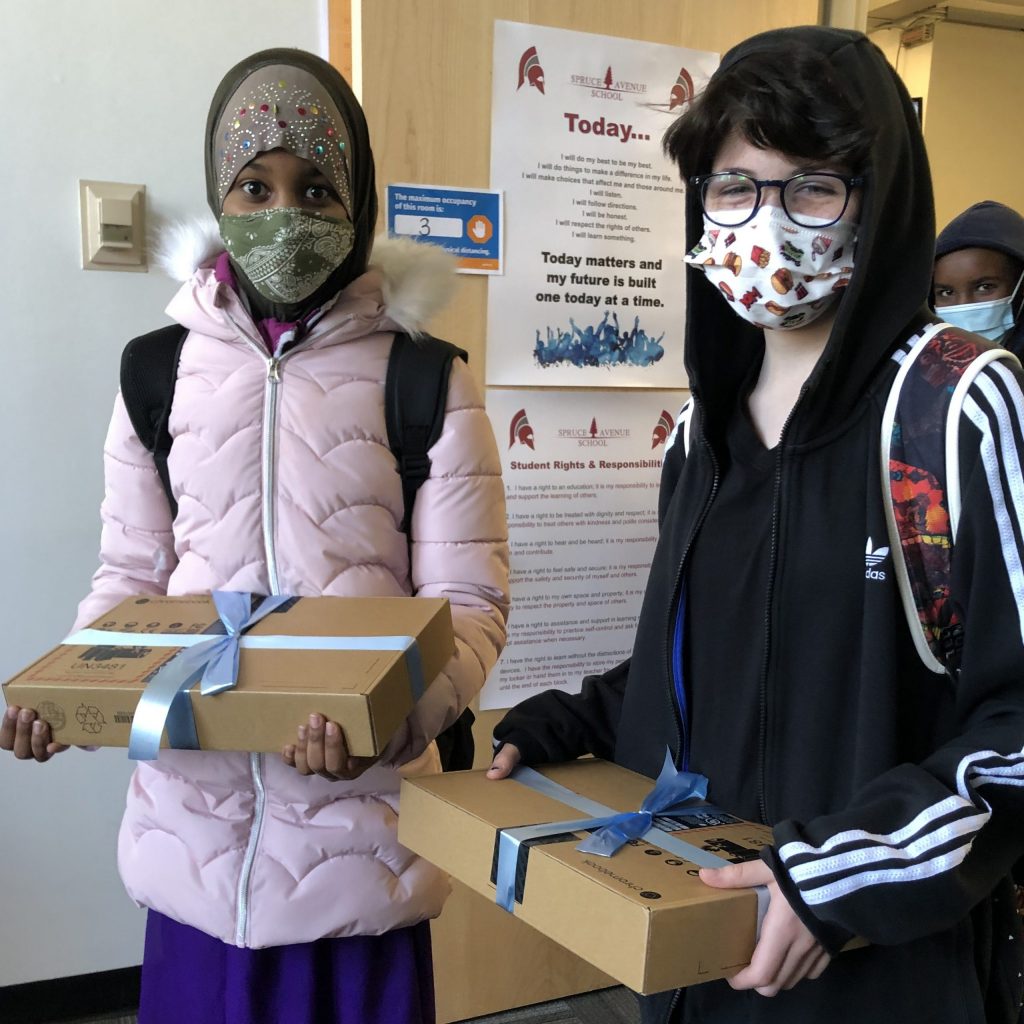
287, 253
773, 272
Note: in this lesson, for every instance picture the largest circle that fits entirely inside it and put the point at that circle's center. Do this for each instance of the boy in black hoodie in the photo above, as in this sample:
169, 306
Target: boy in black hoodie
979, 270
772, 653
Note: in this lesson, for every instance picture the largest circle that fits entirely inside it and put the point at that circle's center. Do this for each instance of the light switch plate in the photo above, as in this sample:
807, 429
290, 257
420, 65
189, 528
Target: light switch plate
113, 219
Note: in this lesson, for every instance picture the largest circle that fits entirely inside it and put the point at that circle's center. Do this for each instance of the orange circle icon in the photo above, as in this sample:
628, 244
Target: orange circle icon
479, 229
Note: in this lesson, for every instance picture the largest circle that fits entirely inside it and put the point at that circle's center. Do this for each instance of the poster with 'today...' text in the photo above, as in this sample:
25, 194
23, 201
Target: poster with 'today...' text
593, 292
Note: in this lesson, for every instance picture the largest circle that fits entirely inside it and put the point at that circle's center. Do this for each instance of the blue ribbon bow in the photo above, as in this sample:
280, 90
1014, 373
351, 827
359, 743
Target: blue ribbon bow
672, 790
166, 703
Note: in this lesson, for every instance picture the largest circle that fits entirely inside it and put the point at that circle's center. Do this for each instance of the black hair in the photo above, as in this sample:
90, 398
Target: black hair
787, 100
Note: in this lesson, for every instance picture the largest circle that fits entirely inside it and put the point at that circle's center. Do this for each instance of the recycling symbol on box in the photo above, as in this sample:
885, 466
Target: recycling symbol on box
90, 718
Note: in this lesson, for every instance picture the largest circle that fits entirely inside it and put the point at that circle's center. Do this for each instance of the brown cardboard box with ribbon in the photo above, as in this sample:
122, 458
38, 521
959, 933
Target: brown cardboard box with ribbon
231, 672
640, 915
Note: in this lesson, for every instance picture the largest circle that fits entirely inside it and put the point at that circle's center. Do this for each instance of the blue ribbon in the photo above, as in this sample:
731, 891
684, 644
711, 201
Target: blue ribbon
165, 703
672, 791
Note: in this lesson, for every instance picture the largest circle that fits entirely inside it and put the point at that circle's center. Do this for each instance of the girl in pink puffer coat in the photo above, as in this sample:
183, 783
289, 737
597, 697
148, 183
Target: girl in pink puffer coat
276, 887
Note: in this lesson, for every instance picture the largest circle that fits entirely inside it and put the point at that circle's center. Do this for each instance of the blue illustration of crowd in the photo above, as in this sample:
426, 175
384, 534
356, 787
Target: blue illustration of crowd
603, 345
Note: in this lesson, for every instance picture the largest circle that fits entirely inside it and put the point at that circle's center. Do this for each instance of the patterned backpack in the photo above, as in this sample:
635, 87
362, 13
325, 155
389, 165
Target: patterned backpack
920, 461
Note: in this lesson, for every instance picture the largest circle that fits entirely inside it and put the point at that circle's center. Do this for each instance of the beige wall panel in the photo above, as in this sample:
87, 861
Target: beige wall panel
426, 87
972, 118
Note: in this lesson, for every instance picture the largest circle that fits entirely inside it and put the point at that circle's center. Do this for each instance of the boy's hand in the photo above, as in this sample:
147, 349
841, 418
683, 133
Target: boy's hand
321, 750
786, 952
27, 737
504, 761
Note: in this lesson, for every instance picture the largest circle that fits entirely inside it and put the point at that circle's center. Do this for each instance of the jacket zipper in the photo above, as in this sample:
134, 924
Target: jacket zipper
245, 876
677, 996
270, 402
269, 473
256, 760
681, 739
762, 737
672, 1006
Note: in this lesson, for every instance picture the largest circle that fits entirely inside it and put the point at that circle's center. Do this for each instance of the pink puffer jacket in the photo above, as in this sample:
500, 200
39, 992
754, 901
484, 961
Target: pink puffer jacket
285, 484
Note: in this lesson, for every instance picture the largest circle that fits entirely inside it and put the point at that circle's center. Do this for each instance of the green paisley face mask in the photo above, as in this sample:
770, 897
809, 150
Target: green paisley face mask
287, 253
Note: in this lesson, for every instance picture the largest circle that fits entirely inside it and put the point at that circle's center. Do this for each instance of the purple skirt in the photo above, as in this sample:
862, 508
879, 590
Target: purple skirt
366, 979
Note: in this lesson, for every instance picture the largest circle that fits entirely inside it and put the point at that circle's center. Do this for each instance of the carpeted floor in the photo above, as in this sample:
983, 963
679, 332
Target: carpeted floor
612, 1006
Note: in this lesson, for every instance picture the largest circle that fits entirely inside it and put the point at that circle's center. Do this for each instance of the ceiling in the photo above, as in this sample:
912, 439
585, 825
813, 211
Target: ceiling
993, 13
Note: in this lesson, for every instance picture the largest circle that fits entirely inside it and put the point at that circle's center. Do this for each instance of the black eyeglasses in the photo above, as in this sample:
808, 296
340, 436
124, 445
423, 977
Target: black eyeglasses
809, 200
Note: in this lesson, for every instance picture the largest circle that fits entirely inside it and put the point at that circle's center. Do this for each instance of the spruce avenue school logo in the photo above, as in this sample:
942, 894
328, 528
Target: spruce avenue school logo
680, 96
607, 86
594, 436
530, 70
662, 429
520, 430
873, 558
682, 91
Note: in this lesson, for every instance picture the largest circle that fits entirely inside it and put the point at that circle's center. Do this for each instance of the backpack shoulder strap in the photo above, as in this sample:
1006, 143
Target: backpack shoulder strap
415, 395
920, 468
149, 371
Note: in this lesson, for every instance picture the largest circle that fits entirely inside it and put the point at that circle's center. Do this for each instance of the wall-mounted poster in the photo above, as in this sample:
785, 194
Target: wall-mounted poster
593, 289
581, 471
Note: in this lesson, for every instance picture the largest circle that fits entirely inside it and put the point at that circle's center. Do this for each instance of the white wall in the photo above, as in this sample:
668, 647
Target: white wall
115, 90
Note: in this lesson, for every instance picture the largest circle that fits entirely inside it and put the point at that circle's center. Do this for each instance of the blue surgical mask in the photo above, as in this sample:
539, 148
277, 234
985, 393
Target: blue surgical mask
993, 320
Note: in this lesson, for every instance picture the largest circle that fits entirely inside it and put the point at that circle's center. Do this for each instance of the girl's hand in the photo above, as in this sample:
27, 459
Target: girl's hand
505, 760
321, 750
28, 738
786, 952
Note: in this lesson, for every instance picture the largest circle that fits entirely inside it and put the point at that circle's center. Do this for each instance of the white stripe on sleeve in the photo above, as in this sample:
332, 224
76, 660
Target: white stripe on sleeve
854, 869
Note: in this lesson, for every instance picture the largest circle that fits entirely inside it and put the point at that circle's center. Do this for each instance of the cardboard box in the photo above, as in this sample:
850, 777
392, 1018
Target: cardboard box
642, 916
88, 693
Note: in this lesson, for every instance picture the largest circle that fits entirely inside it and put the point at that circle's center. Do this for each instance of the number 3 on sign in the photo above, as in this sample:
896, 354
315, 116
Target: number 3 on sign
428, 227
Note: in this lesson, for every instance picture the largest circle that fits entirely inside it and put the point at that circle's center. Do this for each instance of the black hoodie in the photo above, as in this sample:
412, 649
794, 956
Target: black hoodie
896, 795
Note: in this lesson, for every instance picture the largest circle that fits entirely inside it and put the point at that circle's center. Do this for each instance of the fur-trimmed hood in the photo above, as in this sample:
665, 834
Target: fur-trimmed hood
417, 280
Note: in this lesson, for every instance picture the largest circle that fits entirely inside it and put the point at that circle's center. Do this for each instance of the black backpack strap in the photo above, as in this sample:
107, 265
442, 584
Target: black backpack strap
149, 371
415, 395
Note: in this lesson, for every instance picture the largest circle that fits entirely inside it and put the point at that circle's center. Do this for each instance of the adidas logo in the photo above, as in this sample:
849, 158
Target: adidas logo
873, 557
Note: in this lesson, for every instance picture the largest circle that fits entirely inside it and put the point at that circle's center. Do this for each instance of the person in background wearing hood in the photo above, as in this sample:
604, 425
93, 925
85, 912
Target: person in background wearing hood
772, 655
276, 887
979, 266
